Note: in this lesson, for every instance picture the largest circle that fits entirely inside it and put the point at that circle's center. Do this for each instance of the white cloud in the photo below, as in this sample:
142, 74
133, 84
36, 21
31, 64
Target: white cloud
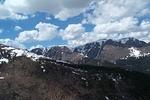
112, 19
104, 9
112, 10
42, 32
76, 35
116, 19
7, 13
60, 9
27, 35
18, 16
12, 43
18, 28
124, 25
67, 13
73, 31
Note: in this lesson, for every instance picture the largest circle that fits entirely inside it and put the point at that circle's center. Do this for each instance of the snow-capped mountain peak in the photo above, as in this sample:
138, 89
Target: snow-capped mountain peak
8, 53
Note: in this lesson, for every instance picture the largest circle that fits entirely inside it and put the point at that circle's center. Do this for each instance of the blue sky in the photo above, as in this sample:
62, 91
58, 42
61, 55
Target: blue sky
8, 26
25, 23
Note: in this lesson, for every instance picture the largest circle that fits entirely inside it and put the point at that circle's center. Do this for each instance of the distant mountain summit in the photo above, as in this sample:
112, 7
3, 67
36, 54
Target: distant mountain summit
112, 50
132, 42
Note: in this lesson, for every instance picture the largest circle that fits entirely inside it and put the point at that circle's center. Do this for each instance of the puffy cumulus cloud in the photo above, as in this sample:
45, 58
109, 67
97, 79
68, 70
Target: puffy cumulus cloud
46, 31
42, 32
127, 27
112, 19
111, 10
76, 35
116, 19
72, 31
27, 35
12, 43
122, 26
67, 13
60, 9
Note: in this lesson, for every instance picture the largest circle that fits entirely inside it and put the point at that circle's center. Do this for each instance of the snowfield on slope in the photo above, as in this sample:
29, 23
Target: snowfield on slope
134, 52
18, 53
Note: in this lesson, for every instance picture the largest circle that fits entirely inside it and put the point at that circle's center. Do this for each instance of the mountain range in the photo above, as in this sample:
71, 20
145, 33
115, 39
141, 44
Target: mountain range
101, 70
102, 52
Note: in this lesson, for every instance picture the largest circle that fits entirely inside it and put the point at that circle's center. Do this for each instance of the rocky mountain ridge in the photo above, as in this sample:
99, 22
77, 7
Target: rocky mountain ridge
99, 52
27, 76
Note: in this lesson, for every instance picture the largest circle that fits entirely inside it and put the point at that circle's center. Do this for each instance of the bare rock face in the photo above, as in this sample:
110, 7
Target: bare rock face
112, 53
62, 53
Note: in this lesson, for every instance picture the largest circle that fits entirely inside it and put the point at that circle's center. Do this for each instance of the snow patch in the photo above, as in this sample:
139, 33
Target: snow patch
44, 70
107, 98
8, 48
2, 78
18, 52
134, 52
4, 60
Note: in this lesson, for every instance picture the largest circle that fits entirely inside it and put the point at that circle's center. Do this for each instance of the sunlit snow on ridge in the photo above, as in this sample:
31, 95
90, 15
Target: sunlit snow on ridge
18, 53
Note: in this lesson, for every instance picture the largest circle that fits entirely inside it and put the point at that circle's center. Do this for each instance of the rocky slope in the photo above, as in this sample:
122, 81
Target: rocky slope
59, 53
141, 64
23, 78
27, 76
102, 52
113, 50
